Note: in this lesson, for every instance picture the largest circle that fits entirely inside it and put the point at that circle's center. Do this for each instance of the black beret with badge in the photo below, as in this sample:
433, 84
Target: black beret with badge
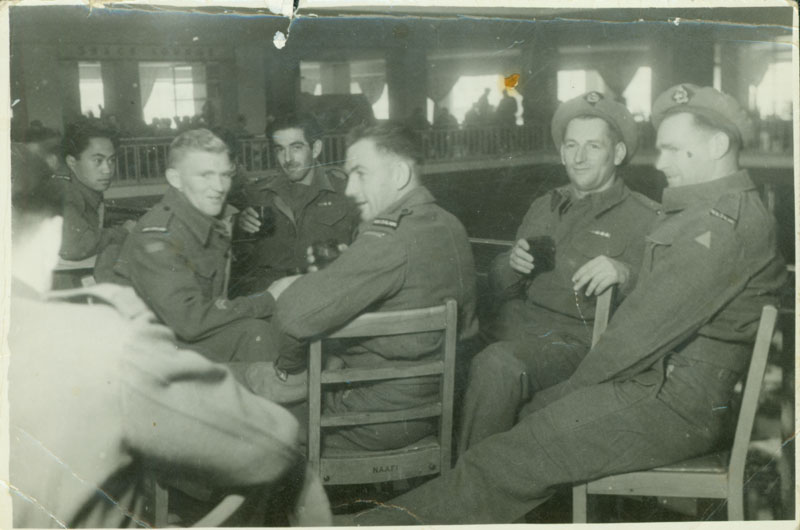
719, 109
598, 105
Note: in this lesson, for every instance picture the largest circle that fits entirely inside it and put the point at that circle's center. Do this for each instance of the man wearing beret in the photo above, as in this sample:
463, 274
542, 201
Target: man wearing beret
597, 226
655, 388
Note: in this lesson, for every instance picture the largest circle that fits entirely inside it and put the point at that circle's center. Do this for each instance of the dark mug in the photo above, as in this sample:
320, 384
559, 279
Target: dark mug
267, 217
543, 250
325, 252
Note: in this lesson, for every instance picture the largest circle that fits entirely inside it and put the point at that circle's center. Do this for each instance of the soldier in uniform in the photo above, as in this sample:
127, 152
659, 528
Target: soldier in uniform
89, 151
654, 389
99, 392
178, 255
283, 215
409, 253
597, 226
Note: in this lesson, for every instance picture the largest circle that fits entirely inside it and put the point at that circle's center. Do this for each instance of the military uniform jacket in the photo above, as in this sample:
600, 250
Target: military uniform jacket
710, 265
613, 223
83, 234
328, 214
177, 260
413, 255
96, 389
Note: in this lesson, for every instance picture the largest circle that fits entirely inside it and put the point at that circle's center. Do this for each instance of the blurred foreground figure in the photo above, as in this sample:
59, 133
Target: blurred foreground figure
100, 392
655, 388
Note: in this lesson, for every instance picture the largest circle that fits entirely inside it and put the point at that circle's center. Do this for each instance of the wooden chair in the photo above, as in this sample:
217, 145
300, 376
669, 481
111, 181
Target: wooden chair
719, 475
157, 507
429, 456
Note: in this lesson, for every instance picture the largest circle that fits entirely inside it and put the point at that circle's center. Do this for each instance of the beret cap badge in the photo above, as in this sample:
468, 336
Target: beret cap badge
681, 95
593, 97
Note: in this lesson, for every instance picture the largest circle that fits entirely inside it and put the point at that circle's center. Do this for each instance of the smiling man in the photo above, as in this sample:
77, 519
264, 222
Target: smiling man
409, 254
597, 227
178, 258
283, 215
655, 388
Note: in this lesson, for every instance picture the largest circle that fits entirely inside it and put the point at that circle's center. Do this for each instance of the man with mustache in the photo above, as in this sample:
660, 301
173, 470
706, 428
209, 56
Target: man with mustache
284, 215
178, 258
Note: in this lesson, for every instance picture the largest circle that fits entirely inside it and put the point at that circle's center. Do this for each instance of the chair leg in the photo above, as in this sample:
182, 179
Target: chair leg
736, 502
579, 500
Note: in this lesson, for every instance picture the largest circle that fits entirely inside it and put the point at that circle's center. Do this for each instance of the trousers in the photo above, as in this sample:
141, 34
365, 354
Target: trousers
619, 426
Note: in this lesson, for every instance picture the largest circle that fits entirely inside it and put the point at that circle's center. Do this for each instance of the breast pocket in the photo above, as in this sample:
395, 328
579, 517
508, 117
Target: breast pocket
207, 272
330, 215
595, 242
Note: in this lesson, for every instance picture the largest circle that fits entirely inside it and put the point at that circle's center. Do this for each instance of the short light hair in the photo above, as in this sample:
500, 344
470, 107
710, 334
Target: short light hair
195, 140
389, 137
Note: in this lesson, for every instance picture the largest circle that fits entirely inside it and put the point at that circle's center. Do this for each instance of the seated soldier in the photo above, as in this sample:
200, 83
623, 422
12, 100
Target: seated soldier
655, 388
409, 253
284, 215
89, 151
98, 393
594, 228
177, 258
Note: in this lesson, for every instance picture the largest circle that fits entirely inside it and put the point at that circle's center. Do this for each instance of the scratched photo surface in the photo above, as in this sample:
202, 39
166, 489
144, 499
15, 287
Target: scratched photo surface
120, 427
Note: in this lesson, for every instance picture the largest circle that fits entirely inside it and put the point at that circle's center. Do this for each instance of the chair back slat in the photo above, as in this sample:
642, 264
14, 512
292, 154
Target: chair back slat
394, 323
346, 419
752, 389
352, 375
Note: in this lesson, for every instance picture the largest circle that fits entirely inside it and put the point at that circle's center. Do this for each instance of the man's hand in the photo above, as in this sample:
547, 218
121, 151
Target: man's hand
129, 225
277, 287
311, 259
249, 221
600, 273
520, 260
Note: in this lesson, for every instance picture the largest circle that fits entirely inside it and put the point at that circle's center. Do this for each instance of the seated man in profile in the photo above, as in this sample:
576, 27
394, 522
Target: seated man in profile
409, 254
98, 393
284, 215
586, 236
90, 154
178, 257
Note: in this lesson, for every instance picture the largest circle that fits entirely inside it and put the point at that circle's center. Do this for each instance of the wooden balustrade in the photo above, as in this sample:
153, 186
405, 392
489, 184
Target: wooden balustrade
144, 160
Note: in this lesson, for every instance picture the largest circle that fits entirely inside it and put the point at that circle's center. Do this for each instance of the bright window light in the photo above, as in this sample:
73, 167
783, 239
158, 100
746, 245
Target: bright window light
90, 87
638, 94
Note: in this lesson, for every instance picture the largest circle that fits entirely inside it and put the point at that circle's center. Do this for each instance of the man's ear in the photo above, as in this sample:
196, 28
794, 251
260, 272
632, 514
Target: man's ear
71, 162
402, 173
620, 150
316, 148
719, 144
561, 153
174, 178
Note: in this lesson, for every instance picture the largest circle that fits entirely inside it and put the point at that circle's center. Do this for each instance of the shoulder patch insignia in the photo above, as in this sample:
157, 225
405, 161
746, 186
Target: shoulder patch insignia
725, 217
373, 233
325, 203
390, 223
156, 229
704, 239
221, 303
154, 246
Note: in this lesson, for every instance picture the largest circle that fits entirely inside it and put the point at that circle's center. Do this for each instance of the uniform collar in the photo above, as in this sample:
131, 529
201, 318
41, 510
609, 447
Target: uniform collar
199, 223
600, 202
403, 206
684, 196
320, 181
92, 197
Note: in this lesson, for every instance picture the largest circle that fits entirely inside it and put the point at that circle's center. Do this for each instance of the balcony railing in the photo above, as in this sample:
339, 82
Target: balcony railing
144, 160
